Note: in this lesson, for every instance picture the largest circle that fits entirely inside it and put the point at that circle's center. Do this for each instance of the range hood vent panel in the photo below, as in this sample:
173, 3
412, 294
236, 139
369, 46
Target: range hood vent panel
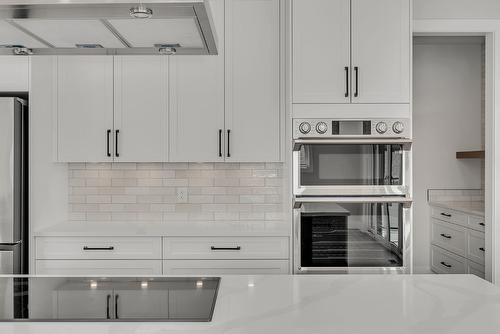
57, 28
69, 33
147, 33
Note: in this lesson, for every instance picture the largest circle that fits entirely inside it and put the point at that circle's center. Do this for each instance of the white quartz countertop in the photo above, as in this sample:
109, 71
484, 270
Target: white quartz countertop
357, 304
469, 207
168, 229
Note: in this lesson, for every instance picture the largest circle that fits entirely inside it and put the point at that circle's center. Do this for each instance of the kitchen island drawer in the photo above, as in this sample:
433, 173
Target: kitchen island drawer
449, 236
225, 267
99, 267
449, 216
475, 246
444, 262
98, 248
237, 248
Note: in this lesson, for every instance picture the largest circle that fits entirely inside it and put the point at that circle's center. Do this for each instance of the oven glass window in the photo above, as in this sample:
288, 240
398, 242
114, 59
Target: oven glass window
339, 165
351, 235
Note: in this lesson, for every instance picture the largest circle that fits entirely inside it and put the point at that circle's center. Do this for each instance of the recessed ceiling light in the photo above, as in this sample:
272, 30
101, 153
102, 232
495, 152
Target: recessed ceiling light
141, 12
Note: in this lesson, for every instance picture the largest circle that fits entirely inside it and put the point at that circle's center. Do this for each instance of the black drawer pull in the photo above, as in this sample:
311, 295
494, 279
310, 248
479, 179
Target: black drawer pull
481, 249
237, 248
481, 224
87, 248
446, 264
445, 236
116, 307
445, 214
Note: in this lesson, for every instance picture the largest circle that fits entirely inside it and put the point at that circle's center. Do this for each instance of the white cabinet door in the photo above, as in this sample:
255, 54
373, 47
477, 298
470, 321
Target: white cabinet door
141, 303
381, 51
14, 73
252, 80
83, 302
197, 101
321, 51
84, 108
141, 110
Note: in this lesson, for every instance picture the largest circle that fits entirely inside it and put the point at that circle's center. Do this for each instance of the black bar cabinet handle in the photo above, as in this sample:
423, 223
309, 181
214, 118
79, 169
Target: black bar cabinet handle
346, 69
481, 224
446, 236
87, 248
445, 214
481, 249
108, 297
116, 143
228, 151
225, 248
220, 143
356, 70
108, 132
116, 307
446, 264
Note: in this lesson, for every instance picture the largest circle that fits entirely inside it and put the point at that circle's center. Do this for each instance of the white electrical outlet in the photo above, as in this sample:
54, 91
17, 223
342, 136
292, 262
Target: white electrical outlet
182, 195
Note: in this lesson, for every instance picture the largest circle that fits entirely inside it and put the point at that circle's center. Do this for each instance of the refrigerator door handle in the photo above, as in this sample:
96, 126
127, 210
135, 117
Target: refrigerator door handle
9, 247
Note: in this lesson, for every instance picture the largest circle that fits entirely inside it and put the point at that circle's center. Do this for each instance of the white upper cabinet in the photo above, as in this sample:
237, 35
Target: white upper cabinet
84, 108
351, 51
141, 109
197, 101
252, 46
381, 50
14, 74
321, 55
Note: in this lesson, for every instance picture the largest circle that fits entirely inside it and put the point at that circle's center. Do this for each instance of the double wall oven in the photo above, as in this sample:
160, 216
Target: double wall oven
351, 184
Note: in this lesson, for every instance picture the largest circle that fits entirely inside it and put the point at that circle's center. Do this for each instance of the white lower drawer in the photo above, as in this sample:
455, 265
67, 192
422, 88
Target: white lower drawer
225, 267
475, 246
475, 269
98, 267
225, 248
449, 236
445, 262
108, 248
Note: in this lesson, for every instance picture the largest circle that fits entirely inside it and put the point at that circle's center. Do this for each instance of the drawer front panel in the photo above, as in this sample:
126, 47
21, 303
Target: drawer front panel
98, 248
225, 267
449, 216
477, 223
475, 246
225, 248
476, 269
444, 262
99, 267
449, 236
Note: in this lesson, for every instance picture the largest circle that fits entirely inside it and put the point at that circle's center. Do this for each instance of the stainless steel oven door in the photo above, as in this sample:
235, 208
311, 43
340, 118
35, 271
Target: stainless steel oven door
352, 235
351, 167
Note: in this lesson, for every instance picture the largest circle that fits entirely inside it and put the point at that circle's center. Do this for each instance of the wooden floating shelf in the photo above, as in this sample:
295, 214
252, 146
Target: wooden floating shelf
470, 155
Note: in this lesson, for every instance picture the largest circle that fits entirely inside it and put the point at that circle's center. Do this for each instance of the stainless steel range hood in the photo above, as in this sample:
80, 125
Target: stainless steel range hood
72, 27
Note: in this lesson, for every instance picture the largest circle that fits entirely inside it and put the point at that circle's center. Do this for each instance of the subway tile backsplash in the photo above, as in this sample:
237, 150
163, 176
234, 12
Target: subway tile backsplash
148, 191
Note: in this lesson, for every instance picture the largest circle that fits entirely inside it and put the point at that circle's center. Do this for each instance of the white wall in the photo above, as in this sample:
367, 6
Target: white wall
446, 119
456, 9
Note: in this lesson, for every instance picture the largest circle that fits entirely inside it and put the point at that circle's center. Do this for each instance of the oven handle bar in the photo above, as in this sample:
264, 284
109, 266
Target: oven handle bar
406, 201
297, 143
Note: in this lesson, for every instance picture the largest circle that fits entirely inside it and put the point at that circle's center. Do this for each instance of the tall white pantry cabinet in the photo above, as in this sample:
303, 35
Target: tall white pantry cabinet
351, 51
179, 108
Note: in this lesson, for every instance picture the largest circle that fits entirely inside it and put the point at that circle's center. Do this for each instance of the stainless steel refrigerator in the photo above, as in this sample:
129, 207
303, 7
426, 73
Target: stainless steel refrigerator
13, 186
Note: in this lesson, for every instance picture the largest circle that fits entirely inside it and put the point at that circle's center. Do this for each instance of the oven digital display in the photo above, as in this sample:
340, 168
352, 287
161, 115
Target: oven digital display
351, 128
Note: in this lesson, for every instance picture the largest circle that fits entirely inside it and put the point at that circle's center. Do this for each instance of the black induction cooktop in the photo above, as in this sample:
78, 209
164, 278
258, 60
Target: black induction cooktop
186, 299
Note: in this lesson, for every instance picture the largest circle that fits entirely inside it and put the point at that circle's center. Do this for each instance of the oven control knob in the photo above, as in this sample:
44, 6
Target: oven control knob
381, 127
398, 127
321, 127
305, 127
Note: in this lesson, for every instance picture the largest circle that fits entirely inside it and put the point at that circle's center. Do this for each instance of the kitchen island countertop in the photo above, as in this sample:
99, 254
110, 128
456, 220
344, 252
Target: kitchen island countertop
385, 304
